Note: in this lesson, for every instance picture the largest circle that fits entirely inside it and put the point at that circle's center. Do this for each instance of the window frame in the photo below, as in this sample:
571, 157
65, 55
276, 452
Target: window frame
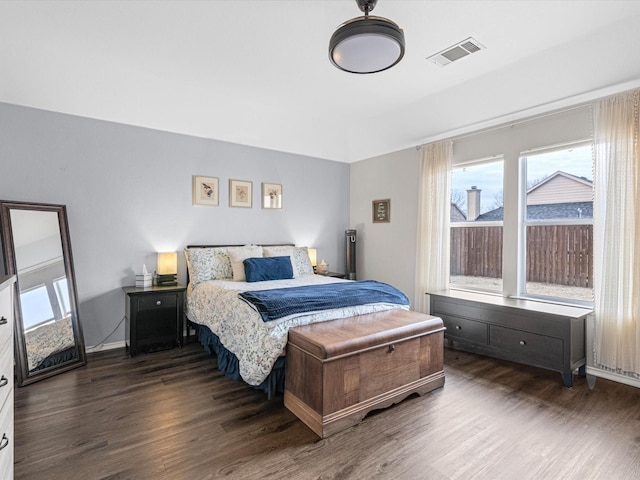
514, 172
474, 224
523, 223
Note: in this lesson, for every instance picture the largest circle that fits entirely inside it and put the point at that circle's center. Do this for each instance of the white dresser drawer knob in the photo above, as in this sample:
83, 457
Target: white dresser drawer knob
522, 342
159, 302
3, 381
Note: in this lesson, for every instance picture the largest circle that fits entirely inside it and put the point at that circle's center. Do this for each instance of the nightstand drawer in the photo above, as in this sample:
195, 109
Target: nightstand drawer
157, 301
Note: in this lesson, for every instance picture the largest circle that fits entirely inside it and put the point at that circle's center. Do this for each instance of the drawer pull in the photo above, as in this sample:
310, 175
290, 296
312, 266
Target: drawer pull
5, 441
3, 381
392, 348
159, 302
522, 342
458, 327
3, 321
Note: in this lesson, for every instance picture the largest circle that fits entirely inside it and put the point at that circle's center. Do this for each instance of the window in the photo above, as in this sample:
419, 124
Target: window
476, 225
62, 293
557, 227
546, 237
36, 307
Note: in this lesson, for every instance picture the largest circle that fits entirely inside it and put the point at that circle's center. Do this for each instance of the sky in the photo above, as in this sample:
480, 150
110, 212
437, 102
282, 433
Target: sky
488, 177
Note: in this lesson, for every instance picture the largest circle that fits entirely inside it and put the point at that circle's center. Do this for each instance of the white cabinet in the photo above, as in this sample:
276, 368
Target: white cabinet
6, 377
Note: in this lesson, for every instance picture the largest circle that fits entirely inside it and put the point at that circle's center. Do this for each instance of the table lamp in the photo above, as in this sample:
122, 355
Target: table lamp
167, 269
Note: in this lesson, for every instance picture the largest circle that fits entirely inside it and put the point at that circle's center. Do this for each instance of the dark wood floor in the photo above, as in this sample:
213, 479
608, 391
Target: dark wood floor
171, 415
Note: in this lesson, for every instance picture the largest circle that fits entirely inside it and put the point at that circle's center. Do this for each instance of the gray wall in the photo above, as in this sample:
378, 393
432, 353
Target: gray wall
128, 195
387, 251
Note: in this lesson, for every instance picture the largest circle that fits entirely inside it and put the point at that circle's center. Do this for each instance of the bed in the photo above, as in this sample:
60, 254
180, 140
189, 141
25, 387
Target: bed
248, 347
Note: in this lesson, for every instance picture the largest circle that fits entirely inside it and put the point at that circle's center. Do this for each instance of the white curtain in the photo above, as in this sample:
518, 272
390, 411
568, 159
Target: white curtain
432, 256
617, 234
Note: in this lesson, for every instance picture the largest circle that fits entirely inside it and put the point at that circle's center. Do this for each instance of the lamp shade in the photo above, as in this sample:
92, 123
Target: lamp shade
366, 45
313, 256
167, 263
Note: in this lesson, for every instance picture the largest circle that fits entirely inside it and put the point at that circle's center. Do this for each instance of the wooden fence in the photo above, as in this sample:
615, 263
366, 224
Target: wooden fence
556, 254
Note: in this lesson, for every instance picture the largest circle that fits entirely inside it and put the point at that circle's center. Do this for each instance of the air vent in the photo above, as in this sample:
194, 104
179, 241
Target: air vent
456, 52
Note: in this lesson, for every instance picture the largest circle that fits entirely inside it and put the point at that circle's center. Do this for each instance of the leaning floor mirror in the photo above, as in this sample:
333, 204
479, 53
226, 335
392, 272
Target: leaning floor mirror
36, 248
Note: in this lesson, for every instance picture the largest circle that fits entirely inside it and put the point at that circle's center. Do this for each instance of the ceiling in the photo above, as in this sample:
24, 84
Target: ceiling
256, 72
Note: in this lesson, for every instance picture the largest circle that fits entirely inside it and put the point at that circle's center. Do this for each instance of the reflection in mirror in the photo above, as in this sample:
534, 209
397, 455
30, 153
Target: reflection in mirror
36, 248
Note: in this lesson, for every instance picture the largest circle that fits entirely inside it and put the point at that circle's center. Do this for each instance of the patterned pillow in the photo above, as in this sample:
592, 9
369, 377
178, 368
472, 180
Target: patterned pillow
211, 263
302, 260
299, 258
237, 255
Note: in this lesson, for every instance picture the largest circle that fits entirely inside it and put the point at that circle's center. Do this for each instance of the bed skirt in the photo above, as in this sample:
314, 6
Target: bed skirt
229, 365
57, 358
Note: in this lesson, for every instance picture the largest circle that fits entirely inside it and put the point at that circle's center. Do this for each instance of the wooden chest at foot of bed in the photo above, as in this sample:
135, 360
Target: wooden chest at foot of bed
338, 371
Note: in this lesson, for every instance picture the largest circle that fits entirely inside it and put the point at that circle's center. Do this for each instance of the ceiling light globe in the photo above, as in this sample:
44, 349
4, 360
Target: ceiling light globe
366, 45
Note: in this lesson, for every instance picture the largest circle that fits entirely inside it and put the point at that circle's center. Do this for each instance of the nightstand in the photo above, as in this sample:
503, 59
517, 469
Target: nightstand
154, 318
332, 274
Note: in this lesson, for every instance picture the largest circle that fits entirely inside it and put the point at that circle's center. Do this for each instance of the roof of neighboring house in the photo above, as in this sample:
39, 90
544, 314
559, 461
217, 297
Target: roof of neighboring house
563, 174
537, 206
544, 212
456, 214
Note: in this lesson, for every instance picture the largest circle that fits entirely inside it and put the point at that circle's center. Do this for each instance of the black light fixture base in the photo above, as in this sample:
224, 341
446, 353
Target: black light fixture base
366, 5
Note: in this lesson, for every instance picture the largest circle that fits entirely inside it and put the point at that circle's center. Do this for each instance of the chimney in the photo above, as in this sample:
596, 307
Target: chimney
473, 203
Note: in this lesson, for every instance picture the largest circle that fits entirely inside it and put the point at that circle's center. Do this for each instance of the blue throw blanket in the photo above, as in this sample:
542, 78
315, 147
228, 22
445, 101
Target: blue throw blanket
281, 302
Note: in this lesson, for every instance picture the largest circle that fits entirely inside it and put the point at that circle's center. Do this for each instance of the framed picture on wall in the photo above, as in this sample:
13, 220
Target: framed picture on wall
381, 211
205, 190
271, 195
240, 193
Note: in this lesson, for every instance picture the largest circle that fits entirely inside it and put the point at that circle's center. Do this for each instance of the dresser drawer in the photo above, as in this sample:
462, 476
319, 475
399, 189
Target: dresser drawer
6, 438
157, 301
462, 329
537, 349
6, 370
6, 314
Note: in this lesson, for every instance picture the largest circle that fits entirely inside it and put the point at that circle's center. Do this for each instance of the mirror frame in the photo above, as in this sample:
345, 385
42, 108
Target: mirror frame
26, 377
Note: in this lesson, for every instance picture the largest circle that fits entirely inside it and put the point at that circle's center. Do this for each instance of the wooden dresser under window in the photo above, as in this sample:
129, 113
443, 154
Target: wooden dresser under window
534, 333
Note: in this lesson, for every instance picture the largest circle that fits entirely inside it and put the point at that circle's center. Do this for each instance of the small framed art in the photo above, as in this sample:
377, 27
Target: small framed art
271, 195
240, 193
381, 211
205, 190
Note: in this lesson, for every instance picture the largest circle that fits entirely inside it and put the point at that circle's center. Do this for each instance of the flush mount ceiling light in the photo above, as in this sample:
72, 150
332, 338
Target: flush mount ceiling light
366, 44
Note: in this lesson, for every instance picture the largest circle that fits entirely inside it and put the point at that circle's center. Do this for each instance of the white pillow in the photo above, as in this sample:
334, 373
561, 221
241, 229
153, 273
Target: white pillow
281, 251
237, 255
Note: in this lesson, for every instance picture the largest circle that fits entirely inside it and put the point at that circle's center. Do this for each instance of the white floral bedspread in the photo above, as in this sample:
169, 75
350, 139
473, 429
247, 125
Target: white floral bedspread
256, 343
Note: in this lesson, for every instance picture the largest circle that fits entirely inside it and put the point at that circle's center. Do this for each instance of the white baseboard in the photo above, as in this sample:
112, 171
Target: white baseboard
106, 346
616, 377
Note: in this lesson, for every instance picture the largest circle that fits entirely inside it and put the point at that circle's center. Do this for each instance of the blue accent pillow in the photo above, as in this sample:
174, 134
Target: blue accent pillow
259, 269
